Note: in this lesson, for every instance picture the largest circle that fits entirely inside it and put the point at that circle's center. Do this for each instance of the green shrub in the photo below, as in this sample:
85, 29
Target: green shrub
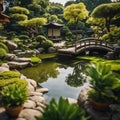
9, 75
62, 111
23, 37
7, 82
14, 95
2, 45
47, 44
40, 38
16, 40
2, 53
11, 35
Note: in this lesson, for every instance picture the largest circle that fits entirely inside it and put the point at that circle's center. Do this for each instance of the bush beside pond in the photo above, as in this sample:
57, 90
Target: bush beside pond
9, 75
7, 82
2, 53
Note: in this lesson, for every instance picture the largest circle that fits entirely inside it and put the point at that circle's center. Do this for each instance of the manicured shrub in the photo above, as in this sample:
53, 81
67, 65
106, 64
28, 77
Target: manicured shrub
40, 38
14, 95
16, 40
9, 75
62, 111
23, 37
2, 53
6, 82
2, 45
47, 44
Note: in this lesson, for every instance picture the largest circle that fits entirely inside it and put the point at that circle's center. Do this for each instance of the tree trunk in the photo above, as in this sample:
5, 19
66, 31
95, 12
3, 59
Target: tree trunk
107, 24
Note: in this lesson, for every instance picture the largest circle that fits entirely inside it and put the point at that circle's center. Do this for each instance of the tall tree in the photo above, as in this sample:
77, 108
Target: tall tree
107, 12
75, 12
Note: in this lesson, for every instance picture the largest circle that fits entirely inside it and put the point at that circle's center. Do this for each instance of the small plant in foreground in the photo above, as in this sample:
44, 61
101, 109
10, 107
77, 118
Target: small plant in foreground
62, 111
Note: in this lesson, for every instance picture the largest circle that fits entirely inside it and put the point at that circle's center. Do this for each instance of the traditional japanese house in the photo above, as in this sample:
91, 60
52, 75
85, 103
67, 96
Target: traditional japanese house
53, 29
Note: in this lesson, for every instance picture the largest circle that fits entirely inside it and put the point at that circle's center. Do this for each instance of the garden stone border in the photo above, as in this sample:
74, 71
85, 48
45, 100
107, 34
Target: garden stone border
34, 106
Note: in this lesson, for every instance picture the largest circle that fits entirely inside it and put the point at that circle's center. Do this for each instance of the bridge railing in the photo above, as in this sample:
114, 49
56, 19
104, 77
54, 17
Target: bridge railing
83, 43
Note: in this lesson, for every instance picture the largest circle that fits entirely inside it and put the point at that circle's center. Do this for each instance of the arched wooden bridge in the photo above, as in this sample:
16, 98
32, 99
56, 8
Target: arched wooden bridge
84, 45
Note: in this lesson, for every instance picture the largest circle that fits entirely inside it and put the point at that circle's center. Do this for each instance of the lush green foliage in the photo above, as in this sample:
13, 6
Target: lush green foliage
9, 75
14, 95
2, 53
35, 60
107, 12
6, 82
19, 17
23, 37
40, 38
75, 12
46, 44
62, 111
2, 45
102, 81
113, 36
115, 64
18, 9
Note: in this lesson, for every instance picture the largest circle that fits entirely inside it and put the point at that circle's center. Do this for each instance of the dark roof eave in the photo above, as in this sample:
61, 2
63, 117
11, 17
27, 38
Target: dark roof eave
51, 24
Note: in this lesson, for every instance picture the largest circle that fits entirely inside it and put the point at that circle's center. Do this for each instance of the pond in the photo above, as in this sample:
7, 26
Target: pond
62, 79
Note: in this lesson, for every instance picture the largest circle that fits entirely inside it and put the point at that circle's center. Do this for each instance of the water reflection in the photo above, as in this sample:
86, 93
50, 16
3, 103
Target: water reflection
76, 78
42, 72
61, 79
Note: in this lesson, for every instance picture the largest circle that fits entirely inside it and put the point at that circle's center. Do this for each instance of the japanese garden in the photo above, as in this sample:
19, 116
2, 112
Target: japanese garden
60, 61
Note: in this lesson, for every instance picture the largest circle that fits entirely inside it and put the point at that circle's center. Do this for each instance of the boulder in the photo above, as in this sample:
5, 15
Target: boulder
29, 114
30, 88
32, 82
51, 50
83, 96
42, 90
5, 65
29, 104
22, 59
41, 50
11, 45
35, 94
10, 56
38, 99
4, 69
17, 65
72, 100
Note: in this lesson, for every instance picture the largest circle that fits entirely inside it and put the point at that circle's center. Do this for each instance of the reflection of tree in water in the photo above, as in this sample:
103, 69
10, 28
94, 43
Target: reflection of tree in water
76, 78
48, 71
42, 72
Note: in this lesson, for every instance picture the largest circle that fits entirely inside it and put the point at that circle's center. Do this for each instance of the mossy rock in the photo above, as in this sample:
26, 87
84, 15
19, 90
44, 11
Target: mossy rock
18, 81
9, 75
2, 52
35, 60
2, 45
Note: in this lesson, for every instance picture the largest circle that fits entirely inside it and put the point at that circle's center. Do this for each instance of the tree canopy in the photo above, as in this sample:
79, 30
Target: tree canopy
107, 12
75, 12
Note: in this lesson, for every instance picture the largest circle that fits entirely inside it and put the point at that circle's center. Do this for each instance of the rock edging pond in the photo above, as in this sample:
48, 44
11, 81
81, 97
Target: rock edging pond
34, 106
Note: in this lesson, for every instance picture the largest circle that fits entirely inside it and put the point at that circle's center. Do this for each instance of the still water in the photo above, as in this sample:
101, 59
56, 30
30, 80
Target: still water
62, 79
